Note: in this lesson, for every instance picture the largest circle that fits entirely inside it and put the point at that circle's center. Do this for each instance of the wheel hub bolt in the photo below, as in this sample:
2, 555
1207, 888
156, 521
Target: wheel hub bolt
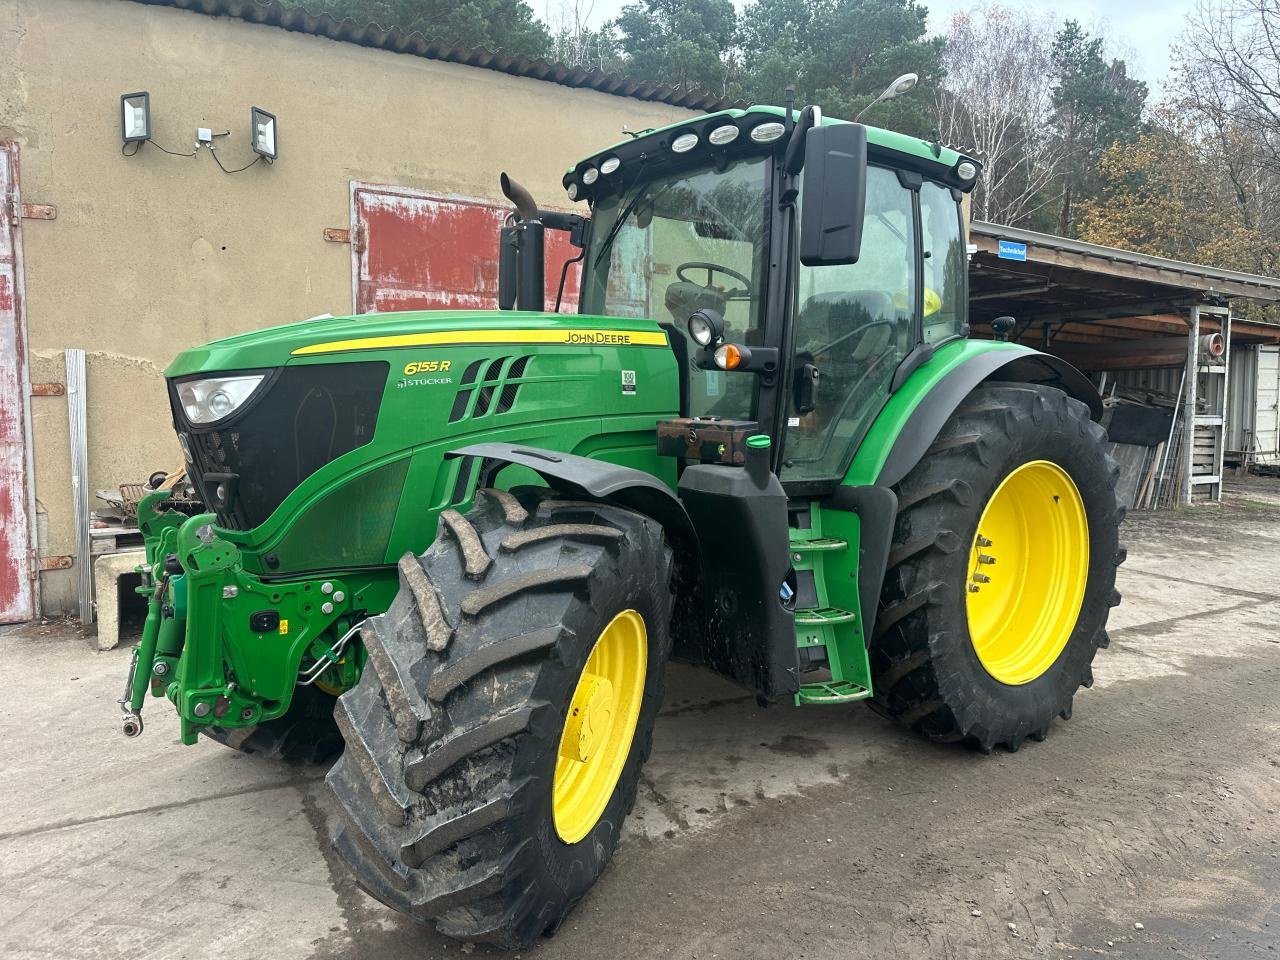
983, 558
973, 588
983, 541
981, 578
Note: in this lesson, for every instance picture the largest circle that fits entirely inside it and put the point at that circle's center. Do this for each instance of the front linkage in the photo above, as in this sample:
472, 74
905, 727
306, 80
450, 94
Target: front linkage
226, 647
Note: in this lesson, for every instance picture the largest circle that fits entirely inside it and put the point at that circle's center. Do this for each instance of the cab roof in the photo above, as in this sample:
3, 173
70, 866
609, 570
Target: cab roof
652, 147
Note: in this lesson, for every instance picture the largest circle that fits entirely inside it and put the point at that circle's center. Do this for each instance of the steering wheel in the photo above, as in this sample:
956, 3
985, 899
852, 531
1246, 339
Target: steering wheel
712, 269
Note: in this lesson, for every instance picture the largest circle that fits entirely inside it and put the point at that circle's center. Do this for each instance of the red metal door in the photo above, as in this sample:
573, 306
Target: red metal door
413, 251
17, 593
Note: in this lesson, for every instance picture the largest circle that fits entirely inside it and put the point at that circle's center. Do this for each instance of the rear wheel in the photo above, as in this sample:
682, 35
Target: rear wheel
1002, 572
495, 739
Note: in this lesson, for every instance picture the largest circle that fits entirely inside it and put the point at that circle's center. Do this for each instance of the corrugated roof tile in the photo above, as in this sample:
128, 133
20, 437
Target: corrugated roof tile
297, 19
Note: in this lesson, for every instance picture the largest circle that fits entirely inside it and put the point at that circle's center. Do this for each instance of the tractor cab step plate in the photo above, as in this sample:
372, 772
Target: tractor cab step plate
831, 691
824, 617
818, 545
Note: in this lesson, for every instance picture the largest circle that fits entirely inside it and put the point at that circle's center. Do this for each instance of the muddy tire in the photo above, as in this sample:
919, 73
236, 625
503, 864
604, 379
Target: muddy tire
306, 732
927, 669
444, 792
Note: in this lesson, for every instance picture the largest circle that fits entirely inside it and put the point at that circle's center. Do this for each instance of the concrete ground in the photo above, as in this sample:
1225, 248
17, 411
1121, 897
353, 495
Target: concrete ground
759, 833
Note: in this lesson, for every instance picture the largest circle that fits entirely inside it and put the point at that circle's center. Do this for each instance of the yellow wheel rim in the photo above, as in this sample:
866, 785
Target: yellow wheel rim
1027, 572
598, 728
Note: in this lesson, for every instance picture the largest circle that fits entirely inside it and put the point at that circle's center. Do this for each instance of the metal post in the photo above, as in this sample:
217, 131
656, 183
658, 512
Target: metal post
77, 413
1226, 405
1189, 404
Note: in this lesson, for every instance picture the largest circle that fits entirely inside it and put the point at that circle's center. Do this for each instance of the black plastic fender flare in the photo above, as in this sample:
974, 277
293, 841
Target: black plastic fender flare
598, 480
1025, 366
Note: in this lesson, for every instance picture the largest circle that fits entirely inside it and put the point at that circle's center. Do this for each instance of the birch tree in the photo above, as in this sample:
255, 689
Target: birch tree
997, 102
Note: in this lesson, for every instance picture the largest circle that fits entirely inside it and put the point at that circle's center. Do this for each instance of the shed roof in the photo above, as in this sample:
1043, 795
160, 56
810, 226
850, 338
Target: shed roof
295, 18
1069, 290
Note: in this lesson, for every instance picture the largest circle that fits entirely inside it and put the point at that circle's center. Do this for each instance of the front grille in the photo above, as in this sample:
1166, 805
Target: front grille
501, 379
303, 418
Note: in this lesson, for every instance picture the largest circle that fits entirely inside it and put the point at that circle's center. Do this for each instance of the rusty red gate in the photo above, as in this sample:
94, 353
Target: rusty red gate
413, 250
17, 558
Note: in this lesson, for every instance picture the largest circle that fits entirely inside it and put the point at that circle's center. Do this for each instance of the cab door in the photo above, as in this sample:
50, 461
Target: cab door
855, 323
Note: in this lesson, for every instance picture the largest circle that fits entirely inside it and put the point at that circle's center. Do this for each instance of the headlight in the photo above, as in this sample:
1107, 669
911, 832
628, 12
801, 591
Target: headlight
205, 401
966, 170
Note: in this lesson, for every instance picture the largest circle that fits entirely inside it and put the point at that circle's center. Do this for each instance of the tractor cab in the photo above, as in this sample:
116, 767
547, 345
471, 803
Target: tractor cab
830, 261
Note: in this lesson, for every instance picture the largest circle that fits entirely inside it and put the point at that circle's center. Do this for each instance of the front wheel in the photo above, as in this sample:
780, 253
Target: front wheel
495, 739
1002, 572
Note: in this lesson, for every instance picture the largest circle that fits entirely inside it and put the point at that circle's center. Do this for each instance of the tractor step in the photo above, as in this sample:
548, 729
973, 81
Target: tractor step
828, 622
818, 545
831, 691
824, 616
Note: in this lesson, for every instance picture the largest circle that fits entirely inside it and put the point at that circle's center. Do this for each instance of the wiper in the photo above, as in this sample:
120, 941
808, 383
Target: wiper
629, 209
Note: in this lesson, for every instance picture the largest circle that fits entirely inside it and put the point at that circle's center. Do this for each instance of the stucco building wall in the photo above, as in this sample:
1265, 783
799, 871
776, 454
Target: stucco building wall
154, 253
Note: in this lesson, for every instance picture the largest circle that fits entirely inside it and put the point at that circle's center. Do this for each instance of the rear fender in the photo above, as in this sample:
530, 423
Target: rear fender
915, 415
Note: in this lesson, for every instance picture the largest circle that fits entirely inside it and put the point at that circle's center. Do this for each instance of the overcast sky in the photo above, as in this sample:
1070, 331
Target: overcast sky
1140, 30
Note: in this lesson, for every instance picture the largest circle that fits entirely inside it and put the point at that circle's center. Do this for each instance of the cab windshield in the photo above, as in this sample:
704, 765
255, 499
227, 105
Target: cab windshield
667, 247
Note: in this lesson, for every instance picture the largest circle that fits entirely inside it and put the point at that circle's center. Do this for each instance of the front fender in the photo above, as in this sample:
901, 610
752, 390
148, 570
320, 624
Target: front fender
916, 413
597, 480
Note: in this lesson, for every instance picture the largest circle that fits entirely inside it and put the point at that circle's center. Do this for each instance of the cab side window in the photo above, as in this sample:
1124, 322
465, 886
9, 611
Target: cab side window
944, 264
855, 323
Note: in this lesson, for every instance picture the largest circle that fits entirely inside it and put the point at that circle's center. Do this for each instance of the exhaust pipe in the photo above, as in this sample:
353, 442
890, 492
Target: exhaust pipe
521, 259
522, 198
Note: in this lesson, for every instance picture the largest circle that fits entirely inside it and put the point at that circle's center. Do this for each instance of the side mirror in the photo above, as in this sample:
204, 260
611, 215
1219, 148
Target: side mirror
834, 196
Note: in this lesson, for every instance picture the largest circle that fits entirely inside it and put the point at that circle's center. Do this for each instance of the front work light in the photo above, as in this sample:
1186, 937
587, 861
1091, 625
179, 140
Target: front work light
706, 327
767, 132
966, 170
262, 132
609, 164
590, 175
215, 398
135, 117
722, 135
684, 143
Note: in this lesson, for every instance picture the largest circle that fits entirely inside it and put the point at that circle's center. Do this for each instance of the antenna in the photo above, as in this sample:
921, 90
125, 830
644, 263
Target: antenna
790, 99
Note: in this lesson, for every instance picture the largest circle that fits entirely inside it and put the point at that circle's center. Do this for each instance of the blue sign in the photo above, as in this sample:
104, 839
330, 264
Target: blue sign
1010, 250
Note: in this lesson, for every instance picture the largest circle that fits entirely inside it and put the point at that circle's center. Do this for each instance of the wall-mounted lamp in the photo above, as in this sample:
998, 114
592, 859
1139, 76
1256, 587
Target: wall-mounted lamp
262, 133
135, 117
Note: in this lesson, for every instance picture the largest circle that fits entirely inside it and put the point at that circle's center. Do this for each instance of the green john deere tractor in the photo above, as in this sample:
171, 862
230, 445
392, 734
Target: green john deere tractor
460, 547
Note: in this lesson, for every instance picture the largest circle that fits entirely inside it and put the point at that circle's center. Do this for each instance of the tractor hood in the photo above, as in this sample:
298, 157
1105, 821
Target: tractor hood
325, 336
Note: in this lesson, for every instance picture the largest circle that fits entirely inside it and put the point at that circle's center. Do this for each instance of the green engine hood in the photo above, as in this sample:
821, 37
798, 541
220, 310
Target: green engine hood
325, 336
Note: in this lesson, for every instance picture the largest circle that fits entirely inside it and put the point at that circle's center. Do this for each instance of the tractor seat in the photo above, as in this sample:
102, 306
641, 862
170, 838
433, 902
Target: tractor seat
682, 300
826, 317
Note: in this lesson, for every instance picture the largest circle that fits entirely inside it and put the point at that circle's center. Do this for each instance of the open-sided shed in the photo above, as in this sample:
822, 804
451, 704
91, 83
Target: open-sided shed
1144, 326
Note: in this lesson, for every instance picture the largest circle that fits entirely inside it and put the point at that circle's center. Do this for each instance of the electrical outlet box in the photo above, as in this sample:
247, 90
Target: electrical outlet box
204, 135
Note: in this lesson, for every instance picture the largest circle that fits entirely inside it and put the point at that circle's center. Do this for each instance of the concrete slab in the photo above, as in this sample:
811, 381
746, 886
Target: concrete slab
786, 832
107, 571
